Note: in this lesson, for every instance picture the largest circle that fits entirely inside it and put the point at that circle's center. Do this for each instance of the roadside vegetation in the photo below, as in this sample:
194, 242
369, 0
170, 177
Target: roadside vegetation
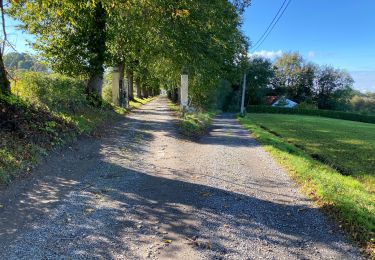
192, 124
332, 160
46, 111
65, 89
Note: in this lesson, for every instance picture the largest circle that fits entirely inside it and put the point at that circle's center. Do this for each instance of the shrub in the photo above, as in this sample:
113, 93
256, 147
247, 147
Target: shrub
313, 112
107, 93
52, 91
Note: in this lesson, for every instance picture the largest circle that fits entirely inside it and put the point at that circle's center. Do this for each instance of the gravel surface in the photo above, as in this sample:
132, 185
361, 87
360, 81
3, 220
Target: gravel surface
141, 191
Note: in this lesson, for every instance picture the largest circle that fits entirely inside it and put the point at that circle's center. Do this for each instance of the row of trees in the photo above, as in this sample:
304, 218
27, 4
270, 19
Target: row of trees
290, 75
150, 42
23, 61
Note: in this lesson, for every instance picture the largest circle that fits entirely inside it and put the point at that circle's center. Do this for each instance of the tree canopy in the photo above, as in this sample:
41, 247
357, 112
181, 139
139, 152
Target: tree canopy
153, 40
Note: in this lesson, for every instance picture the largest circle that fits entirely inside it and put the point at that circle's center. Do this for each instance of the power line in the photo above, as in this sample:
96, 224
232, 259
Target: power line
274, 18
272, 25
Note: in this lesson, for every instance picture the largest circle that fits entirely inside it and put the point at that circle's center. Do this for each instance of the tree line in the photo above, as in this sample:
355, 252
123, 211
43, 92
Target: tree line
150, 42
310, 85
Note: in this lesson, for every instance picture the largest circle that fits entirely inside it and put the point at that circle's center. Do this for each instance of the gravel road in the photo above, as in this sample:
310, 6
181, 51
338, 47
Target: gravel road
141, 191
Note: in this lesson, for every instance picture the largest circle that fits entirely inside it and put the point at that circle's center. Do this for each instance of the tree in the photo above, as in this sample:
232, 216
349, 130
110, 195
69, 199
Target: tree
294, 77
260, 75
70, 35
23, 61
78, 37
333, 88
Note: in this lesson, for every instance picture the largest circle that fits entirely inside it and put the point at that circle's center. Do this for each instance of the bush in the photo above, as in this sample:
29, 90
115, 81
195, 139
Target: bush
50, 91
107, 93
363, 104
313, 112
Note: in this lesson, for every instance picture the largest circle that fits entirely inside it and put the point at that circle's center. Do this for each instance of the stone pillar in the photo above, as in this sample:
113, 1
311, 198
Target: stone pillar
184, 91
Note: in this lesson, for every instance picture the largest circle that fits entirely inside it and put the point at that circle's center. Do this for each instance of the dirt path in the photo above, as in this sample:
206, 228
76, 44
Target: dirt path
140, 192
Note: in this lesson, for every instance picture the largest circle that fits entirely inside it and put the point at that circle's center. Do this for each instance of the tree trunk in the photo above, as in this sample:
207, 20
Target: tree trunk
130, 77
94, 85
138, 87
4, 82
96, 46
144, 91
124, 100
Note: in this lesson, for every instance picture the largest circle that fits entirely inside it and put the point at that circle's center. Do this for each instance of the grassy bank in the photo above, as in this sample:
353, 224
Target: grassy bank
45, 111
193, 124
316, 152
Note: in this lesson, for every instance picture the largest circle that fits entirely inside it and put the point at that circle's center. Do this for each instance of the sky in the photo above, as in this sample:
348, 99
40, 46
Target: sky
340, 33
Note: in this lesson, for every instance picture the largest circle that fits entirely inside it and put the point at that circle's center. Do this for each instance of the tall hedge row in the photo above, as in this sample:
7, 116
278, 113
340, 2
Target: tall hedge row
313, 112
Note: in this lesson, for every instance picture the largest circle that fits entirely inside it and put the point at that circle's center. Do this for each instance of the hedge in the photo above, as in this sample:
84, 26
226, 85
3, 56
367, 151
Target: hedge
313, 112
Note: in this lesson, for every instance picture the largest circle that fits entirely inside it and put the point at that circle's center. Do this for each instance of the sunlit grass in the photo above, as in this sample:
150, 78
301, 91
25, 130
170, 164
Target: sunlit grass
338, 147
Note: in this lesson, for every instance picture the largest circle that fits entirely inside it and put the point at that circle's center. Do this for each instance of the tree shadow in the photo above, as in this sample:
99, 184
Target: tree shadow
96, 207
120, 198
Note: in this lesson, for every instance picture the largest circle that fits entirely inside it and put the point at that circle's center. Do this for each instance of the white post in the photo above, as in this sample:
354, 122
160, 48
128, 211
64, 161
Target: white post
243, 95
184, 91
115, 86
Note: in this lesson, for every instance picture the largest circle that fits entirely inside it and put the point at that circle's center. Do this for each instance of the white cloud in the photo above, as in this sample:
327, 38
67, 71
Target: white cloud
266, 54
311, 54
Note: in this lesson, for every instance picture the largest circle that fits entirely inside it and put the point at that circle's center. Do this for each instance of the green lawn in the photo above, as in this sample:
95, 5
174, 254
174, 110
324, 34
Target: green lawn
346, 146
333, 160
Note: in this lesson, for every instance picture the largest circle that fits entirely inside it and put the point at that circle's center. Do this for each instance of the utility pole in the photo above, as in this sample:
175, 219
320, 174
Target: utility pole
243, 95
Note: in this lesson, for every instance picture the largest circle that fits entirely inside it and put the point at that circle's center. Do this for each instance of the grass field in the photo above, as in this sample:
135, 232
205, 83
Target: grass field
333, 160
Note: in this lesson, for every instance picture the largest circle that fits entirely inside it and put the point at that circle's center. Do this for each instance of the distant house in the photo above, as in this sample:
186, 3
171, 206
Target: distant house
271, 99
282, 101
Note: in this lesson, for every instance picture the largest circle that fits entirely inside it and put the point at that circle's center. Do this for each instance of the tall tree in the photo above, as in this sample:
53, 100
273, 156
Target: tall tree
294, 77
333, 88
260, 74
70, 35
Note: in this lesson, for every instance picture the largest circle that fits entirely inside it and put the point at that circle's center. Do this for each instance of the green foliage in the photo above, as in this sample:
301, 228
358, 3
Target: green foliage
363, 103
107, 93
50, 91
153, 39
25, 133
307, 105
70, 35
333, 88
294, 77
302, 82
23, 61
46, 110
193, 124
259, 76
313, 112
349, 199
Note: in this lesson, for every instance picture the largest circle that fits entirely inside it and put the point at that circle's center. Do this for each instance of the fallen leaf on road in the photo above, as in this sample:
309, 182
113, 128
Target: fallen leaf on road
167, 241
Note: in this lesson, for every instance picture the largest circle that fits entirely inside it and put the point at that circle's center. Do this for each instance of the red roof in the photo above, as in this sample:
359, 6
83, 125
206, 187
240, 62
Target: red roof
271, 99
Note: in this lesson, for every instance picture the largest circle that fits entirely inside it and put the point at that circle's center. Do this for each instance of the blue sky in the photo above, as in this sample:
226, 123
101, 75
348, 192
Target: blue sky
340, 33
